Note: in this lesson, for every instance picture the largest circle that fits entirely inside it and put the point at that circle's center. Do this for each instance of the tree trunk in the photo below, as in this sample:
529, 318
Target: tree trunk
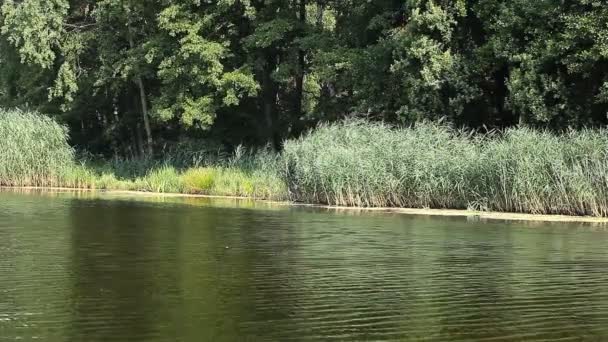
144, 108
269, 101
300, 71
140, 140
144, 103
522, 121
320, 12
115, 129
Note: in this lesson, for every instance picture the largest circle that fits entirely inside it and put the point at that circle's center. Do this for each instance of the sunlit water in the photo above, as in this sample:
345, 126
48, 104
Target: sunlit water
94, 268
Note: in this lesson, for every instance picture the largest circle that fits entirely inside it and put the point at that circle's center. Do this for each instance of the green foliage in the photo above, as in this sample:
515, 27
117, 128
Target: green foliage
487, 63
35, 28
91, 59
263, 71
193, 70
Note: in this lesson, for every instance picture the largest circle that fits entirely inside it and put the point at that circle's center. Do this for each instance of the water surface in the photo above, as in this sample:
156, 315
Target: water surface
95, 268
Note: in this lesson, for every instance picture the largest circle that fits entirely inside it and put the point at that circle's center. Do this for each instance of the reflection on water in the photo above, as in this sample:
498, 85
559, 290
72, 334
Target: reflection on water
88, 268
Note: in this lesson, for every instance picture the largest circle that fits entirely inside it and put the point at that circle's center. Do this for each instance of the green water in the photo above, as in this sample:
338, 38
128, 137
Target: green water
95, 268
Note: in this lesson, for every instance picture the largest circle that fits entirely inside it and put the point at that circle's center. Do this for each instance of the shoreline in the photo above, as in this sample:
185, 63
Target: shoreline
479, 215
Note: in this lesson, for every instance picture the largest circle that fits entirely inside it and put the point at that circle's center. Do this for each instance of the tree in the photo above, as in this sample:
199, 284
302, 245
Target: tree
129, 75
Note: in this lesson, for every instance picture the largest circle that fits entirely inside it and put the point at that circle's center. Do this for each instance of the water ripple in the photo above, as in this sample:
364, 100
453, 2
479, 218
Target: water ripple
96, 270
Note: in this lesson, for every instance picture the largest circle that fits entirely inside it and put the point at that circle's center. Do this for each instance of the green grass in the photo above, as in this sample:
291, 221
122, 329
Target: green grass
35, 152
233, 181
163, 179
199, 180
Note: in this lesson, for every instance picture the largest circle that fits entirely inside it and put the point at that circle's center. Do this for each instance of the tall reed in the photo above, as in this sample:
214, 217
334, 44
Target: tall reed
353, 163
33, 150
358, 163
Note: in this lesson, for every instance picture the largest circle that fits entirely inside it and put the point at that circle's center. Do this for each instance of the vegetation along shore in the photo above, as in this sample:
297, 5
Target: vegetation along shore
351, 163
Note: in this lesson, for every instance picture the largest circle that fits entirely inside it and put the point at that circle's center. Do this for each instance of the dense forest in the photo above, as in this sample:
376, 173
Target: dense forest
130, 77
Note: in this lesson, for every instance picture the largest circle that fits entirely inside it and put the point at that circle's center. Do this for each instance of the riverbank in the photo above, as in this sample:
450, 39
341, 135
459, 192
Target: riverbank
347, 164
469, 214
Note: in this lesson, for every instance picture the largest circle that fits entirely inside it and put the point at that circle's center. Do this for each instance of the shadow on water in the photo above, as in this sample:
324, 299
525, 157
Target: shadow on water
123, 269
145, 272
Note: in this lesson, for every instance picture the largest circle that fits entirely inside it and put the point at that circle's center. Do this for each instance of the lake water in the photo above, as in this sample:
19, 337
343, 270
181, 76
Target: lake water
112, 268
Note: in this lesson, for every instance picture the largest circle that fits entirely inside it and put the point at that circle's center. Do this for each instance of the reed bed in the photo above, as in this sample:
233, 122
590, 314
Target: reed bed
352, 163
33, 150
358, 163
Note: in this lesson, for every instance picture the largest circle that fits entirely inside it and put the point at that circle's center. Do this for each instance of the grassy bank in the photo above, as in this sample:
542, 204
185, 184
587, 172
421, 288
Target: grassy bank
353, 163
246, 177
215, 181
35, 152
